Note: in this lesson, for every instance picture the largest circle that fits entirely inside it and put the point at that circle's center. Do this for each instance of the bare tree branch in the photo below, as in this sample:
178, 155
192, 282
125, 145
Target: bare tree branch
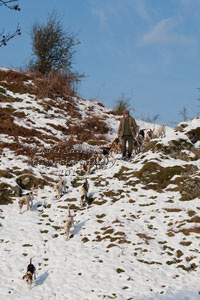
5, 38
184, 114
8, 4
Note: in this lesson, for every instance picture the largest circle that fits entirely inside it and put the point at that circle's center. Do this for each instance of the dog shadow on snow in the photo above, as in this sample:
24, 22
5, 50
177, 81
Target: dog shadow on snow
41, 279
78, 227
38, 204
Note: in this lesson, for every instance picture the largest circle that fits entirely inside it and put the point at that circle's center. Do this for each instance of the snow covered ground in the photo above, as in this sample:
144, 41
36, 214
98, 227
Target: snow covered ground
134, 241
120, 248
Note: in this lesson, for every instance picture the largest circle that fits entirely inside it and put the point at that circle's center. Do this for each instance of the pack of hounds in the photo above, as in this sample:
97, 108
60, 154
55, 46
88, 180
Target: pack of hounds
97, 160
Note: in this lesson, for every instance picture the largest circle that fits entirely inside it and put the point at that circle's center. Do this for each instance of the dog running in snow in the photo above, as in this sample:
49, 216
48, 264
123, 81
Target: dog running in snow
60, 187
30, 274
160, 131
84, 193
86, 167
104, 154
26, 199
69, 223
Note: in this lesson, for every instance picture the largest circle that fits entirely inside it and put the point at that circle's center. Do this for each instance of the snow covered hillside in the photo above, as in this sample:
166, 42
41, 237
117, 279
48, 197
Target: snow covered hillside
139, 237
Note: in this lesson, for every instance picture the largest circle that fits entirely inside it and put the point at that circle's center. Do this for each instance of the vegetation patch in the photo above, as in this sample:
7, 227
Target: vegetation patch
148, 204
27, 180
99, 202
5, 173
194, 135
44, 231
7, 193
174, 261
119, 270
76, 182
108, 231
100, 216
131, 201
122, 174
195, 219
57, 227
191, 213
172, 209
156, 177
111, 245
179, 253
54, 236
168, 247
187, 269
111, 194
189, 188
149, 262
145, 237
70, 200
85, 240
187, 231
184, 243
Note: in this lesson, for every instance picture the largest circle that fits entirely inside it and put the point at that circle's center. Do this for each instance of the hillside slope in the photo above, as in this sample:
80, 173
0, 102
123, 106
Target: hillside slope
41, 125
138, 239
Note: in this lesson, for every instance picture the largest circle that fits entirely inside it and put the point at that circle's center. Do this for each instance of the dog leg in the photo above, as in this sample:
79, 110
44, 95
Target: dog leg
67, 236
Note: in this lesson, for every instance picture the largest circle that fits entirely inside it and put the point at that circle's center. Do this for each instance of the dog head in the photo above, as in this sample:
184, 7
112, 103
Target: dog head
21, 202
83, 167
28, 277
116, 144
55, 187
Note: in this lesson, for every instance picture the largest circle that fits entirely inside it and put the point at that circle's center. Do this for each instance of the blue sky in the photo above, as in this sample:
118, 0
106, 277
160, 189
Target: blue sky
145, 49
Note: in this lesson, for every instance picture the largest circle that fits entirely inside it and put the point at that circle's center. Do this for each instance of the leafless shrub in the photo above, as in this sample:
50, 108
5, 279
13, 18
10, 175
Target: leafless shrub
122, 104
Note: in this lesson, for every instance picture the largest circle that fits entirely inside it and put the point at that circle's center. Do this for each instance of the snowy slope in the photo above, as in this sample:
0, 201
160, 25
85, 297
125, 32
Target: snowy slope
138, 239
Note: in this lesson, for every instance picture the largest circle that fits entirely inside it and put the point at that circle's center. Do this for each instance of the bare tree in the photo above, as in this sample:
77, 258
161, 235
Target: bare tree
53, 48
184, 114
4, 38
122, 103
150, 119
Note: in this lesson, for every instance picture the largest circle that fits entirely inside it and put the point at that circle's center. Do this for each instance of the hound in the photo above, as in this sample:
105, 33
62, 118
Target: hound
69, 223
161, 131
84, 192
139, 141
26, 199
98, 160
148, 136
30, 273
86, 167
104, 154
21, 203
60, 187
29, 199
116, 146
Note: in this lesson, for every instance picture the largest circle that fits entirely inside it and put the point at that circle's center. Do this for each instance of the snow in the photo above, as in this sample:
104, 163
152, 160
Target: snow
121, 246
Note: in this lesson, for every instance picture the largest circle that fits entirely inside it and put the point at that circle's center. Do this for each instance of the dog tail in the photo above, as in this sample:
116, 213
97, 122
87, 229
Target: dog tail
69, 214
166, 123
31, 259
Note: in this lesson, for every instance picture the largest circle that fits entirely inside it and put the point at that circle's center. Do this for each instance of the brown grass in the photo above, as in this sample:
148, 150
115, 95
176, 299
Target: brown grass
91, 130
43, 87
